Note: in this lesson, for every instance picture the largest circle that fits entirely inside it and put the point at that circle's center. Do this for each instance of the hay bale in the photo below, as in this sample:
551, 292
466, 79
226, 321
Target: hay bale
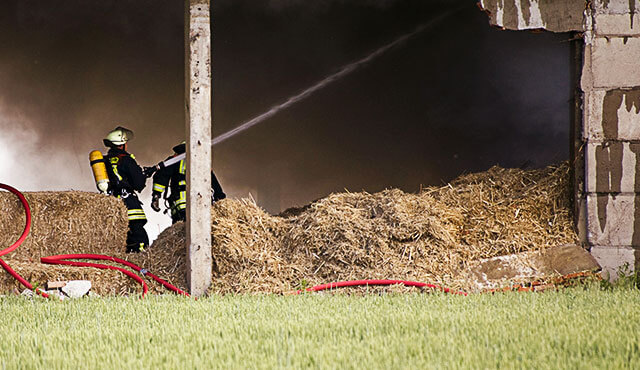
64, 222
431, 236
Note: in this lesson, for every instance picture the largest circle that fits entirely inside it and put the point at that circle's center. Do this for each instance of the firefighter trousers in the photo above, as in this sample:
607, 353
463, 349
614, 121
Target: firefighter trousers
137, 238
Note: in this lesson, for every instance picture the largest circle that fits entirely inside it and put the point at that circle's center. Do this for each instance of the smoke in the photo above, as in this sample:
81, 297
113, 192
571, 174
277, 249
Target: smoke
457, 98
316, 6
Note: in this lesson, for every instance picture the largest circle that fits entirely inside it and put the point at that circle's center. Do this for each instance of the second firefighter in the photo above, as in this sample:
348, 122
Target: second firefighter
173, 177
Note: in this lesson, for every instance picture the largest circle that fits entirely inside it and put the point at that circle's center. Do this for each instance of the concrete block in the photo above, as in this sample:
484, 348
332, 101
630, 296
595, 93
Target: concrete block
592, 114
614, 62
615, 260
556, 16
613, 219
76, 288
612, 167
616, 6
582, 220
586, 78
612, 114
617, 24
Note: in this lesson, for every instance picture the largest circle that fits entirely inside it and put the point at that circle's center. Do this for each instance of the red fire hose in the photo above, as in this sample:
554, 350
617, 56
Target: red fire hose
352, 283
21, 239
62, 259
27, 225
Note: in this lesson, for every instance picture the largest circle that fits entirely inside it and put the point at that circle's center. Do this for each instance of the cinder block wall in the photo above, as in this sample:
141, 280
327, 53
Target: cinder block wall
611, 132
608, 159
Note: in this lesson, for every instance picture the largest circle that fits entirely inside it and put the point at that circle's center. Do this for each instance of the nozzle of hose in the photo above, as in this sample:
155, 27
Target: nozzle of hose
149, 171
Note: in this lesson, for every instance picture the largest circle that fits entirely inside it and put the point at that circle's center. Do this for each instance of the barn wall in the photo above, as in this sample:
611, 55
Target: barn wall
611, 85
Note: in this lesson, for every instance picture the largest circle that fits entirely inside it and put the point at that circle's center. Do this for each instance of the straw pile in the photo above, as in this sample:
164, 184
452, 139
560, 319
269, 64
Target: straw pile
63, 222
246, 244
431, 236
511, 210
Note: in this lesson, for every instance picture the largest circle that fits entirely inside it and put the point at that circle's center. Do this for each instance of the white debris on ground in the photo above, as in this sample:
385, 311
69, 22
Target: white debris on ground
76, 288
71, 289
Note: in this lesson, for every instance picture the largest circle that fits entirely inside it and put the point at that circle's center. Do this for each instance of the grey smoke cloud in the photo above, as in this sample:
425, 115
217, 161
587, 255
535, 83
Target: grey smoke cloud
311, 6
323, 4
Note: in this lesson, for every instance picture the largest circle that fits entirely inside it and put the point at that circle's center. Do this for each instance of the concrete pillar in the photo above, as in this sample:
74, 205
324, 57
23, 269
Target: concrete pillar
198, 134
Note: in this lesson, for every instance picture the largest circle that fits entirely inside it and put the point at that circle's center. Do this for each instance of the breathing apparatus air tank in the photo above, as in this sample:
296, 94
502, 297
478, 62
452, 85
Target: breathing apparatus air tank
99, 171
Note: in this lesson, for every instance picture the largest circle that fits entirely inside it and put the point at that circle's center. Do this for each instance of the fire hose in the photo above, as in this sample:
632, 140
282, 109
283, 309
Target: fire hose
354, 283
21, 239
64, 258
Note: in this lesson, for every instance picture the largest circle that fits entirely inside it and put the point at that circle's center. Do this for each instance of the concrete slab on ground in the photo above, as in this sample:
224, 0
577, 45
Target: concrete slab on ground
529, 266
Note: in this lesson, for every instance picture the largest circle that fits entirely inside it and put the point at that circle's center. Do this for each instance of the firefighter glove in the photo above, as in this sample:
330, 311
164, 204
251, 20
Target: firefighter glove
155, 202
149, 171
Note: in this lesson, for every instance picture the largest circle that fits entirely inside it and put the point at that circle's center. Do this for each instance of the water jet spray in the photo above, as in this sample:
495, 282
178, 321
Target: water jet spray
344, 71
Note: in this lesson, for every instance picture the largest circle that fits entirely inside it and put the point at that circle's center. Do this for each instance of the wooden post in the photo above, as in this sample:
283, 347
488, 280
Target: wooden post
198, 134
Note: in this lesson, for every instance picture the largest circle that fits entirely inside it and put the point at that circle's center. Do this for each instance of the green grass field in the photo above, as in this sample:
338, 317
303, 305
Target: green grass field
576, 328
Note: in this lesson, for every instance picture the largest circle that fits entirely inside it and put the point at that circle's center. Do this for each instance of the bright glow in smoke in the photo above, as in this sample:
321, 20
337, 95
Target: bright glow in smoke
326, 81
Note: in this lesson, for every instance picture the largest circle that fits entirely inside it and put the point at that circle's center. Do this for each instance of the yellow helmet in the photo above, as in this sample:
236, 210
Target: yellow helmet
118, 136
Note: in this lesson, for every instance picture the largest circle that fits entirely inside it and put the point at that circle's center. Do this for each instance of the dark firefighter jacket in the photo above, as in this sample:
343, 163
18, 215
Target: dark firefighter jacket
174, 177
125, 178
124, 173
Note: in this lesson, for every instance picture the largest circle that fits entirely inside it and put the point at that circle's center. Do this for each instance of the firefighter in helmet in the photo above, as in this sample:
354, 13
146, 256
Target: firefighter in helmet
126, 178
174, 177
